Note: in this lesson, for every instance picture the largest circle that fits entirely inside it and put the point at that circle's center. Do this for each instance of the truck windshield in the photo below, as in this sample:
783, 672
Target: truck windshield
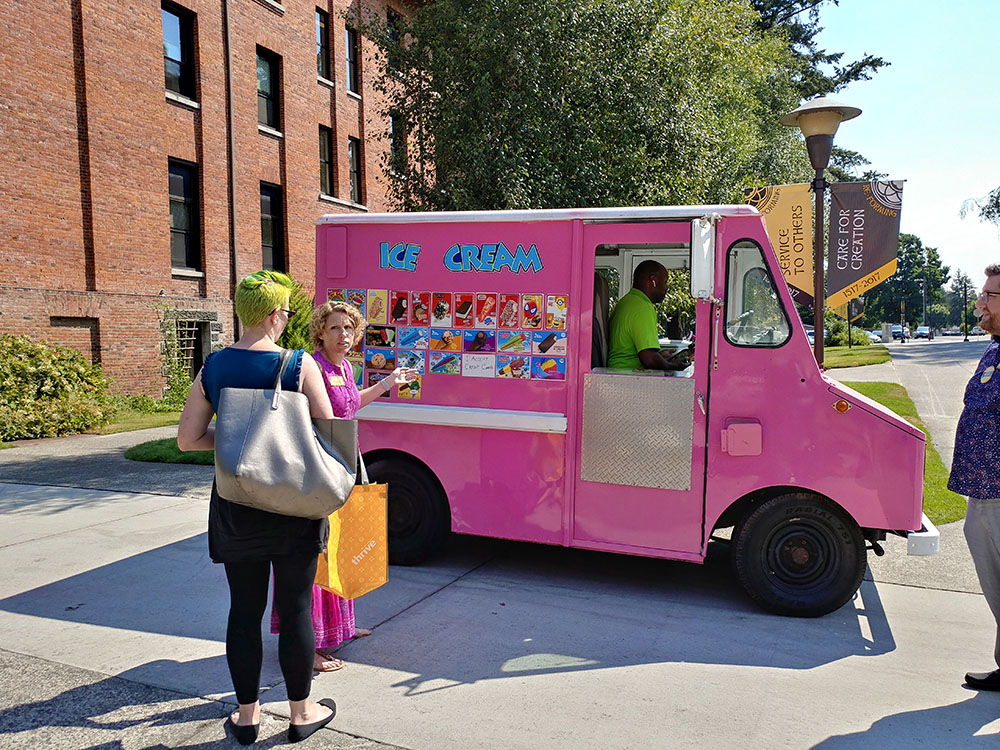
754, 315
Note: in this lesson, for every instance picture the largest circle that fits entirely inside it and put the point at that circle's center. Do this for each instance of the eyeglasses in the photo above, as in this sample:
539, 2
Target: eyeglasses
988, 295
288, 313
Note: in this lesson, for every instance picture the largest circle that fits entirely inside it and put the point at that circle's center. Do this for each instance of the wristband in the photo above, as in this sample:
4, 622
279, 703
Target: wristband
386, 383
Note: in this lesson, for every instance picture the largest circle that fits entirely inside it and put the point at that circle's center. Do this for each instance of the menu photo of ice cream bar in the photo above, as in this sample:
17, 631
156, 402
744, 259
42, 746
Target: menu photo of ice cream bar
413, 338
358, 298
486, 310
556, 310
380, 359
441, 309
411, 391
446, 340
399, 307
548, 368
509, 306
384, 336
374, 378
552, 343
479, 341
531, 311
514, 342
411, 358
358, 368
464, 308
378, 301
516, 367
445, 363
420, 308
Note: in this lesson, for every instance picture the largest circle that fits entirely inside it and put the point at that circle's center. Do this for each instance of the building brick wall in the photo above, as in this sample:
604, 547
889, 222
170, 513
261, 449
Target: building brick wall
86, 131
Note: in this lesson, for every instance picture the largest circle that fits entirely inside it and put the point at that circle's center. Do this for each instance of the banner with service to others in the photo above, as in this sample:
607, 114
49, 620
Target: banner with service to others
788, 218
864, 237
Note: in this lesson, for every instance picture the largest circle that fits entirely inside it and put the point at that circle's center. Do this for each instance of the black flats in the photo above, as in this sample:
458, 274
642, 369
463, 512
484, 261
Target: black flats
299, 732
245, 734
983, 680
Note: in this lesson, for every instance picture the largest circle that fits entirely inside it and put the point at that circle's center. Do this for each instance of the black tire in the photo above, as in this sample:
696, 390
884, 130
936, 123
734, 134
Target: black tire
799, 555
419, 516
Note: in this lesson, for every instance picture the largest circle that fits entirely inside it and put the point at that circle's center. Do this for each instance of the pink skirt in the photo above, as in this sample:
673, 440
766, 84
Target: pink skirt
333, 618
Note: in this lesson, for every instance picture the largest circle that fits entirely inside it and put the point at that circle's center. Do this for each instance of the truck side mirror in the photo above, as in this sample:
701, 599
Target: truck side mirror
703, 258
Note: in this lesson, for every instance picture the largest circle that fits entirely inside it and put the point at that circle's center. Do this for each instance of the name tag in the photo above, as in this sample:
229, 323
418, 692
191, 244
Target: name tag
335, 380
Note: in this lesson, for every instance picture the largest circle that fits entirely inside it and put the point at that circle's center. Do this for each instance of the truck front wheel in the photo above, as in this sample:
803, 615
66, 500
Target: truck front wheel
799, 554
419, 516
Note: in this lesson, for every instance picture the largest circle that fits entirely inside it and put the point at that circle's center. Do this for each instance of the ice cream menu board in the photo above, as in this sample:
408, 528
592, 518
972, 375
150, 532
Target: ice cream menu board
464, 334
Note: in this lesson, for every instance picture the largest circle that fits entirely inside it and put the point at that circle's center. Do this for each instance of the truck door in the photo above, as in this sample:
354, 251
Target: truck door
640, 437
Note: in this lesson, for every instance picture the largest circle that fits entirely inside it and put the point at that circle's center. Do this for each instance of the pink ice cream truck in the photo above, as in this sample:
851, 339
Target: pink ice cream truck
517, 429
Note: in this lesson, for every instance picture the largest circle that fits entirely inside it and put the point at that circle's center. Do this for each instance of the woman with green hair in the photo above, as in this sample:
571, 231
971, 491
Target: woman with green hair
251, 542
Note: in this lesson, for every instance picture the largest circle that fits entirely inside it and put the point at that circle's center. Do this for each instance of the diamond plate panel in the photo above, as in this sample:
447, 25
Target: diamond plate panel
638, 430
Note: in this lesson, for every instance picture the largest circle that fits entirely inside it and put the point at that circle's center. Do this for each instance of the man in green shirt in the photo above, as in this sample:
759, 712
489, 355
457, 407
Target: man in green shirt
634, 342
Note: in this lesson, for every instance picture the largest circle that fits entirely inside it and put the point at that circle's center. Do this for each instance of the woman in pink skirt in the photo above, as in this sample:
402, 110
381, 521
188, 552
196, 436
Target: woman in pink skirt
335, 328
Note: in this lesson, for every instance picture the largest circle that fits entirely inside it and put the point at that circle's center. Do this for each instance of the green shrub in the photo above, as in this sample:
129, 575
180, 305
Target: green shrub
836, 334
296, 333
47, 390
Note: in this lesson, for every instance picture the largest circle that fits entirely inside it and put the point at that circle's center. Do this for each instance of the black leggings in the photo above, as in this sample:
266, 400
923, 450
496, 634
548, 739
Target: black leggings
248, 583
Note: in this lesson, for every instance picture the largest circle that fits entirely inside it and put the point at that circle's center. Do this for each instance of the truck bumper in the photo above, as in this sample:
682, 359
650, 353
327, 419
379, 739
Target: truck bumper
923, 542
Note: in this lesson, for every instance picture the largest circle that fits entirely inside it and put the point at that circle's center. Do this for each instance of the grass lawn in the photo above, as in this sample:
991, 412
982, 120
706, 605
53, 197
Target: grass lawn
940, 504
128, 420
855, 356
166, 451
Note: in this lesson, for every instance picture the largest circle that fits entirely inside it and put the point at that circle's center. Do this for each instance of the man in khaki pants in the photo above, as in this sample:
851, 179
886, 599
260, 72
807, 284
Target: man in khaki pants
975, 468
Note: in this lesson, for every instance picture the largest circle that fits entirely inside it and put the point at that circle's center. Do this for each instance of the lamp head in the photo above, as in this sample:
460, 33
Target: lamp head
818, 120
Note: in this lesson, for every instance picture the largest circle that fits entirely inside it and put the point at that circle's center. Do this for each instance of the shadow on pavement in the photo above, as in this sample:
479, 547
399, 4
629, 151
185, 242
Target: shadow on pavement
939, 727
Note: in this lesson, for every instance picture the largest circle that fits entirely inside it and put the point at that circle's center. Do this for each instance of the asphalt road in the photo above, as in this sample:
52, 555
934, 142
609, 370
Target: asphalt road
111, 624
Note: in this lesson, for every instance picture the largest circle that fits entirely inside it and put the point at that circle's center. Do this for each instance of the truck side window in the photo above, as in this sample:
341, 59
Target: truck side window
754, 315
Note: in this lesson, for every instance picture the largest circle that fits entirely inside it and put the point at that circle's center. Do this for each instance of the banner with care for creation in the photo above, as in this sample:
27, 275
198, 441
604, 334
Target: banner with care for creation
864, 237
787, 213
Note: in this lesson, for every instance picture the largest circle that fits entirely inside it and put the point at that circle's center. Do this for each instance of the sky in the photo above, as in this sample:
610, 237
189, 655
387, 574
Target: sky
932, 117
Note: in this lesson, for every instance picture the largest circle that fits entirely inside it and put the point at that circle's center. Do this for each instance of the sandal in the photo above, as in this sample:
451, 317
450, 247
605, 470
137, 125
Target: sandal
324, 663
361, 633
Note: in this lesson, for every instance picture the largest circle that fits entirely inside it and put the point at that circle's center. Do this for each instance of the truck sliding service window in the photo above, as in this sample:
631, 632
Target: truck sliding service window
754, 315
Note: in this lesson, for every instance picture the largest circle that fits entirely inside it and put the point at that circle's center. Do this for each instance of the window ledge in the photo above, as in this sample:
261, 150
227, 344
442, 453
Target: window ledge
326, 82
354, 94
340, 202
174, 97
273, 6
188, 273
269, 131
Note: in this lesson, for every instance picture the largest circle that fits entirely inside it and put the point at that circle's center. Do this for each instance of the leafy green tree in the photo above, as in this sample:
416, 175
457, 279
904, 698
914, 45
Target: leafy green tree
918, 269
957, 301
553, 103
296, 333
817, 72
987, 207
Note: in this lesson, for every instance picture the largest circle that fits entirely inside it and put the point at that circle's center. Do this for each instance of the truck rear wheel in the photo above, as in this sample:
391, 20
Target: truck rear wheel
799, 554
419, 516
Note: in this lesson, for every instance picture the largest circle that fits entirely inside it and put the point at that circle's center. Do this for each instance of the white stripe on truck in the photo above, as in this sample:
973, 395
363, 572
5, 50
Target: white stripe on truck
462, 416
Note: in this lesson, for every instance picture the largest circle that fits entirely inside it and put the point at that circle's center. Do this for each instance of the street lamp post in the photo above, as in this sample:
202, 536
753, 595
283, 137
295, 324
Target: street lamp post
818, 120
965, 309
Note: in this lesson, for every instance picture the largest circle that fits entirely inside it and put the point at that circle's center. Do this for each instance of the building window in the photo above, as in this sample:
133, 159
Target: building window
325, 160
272, 233
354, 160
185, 244
353, 71
268, 89
178, 50
322, 44
394, 30
397, 143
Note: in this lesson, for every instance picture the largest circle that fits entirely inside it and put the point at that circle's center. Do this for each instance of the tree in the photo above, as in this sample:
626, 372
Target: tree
957, 299
919, 270
798, 22
554, 103
987, 207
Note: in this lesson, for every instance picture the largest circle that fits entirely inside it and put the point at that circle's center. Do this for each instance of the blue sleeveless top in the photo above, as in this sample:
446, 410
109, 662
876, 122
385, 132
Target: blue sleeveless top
247, 368
238, 533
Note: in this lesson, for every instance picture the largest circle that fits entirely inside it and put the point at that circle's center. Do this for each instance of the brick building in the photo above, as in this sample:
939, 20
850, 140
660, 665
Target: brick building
125, 219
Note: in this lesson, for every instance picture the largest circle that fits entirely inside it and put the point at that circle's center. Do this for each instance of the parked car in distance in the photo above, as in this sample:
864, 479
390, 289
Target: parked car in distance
951, 332
977, 331
874, 336
897, 331
923, 332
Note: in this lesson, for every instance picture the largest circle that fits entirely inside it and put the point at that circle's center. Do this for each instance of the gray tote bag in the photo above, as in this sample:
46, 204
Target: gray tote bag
271, 455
